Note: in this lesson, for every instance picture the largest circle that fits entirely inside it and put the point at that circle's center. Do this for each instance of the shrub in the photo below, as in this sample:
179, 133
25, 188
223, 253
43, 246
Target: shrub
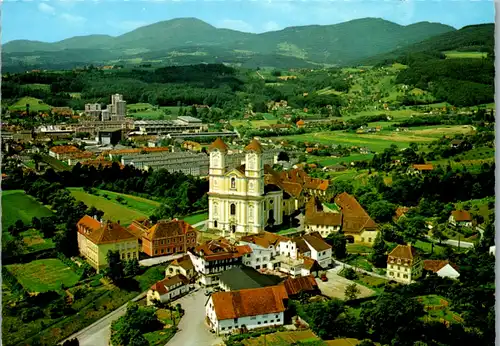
350, 274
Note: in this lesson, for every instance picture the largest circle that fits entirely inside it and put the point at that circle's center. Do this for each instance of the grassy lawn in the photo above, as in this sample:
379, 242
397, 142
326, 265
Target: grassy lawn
36, 105
17, 205
479, 206
162, 336
111, 208
438, 314
287, 231
359, 262
254, 123
148, 111
327, 160
283, 339
35, 241
195, 218
140, 204
38, 86
356, 248
43, 275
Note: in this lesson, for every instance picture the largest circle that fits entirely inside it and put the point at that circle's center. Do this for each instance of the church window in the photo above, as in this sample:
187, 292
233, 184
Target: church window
233, 183
233, 209
215, 224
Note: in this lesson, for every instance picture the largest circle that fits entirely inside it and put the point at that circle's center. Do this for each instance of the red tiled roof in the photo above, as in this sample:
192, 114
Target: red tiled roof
355, 219
164, 229
255, 146
249, 302
299, 284
89, 223
264, 239
62, 149
461, 215
437, 265
400, 212
423, 167
183, 262
110, 232
218, 144
316, 216
219, 249
316, 242
164, 285
406, 252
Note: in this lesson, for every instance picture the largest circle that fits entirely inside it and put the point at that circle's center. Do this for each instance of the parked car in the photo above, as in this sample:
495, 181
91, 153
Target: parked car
324, 278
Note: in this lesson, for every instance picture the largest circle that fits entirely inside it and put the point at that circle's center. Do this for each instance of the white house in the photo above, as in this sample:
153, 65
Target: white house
213, 257
246, 309
168, 289
404, 264
265, 248
182, 266
460, 218
320, 250
444, 269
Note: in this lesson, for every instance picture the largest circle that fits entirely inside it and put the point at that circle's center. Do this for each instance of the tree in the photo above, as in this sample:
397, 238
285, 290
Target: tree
439, 232
378, 256
322, 315
338, 242
71, 342
115, 266
366, 342
382, 211
132, 267
35, 222
351, 291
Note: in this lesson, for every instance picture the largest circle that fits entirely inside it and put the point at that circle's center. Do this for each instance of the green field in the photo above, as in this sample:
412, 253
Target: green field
36, 105
148, 111
35, 241
111, 208
195, 218
464, 55
327, 160
37, 86
140, 204
43, 275
253, 123
17, 205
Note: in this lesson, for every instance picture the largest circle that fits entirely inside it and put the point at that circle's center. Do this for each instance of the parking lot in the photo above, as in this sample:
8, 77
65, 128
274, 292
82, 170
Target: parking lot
336, 284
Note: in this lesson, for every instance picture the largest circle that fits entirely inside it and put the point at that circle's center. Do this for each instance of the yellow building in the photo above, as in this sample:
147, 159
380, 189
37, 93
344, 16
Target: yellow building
96, 238
404, 264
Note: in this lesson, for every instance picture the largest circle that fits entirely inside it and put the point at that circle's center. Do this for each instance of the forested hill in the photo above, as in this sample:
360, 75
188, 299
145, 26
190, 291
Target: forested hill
472, 38
180, 41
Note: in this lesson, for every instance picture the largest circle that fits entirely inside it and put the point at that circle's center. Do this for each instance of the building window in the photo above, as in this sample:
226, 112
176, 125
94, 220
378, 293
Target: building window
258, 322
156, 252
215, 224
233, 183
233, 209
265, 321
405, 276
369, 240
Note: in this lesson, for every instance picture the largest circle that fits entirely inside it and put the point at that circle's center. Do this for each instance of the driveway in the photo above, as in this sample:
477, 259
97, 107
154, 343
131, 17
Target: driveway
192, 328
336, 284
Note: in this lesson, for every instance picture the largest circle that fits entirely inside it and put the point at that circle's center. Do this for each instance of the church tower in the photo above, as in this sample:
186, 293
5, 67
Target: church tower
217, 170
254, 168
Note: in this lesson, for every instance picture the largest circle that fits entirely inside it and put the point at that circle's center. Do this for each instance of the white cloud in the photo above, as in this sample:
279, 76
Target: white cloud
271, 26
72, 19
127, 25
235, 24
43, 7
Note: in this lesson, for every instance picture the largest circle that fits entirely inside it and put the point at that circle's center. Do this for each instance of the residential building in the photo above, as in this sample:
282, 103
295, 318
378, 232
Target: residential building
460, 218
302, 284
246, 309
182, 266
444, 269
96, 238
265, 248
420, 168
321, 251
213, 257
63, 152
357, 225
317, 220
168, 289
404, 264
169, 237
238, 278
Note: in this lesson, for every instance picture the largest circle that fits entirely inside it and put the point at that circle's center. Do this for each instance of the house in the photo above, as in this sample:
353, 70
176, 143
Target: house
169, 237
167, 289
419, 168
444, 269
321, 251
460, 218
357, 225
404, 264
96, 238
238, 278
213, 257
334, 168
400, 212
302, 284
182, 266
265, 248
63, 152
300, 123
316, 220
246, 309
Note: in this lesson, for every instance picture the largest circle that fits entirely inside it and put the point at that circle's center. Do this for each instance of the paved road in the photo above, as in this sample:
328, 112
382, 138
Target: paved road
192, 329
157, 260
451, 242
98, 333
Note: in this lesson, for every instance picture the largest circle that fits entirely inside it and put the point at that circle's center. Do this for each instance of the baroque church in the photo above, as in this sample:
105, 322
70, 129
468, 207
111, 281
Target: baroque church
247, 198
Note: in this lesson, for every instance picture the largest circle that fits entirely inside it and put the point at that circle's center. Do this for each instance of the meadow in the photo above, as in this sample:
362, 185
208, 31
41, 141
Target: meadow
17, 205
464, 55
36, 105
149, 112
327, 160
140, 204
43, 275
112, 209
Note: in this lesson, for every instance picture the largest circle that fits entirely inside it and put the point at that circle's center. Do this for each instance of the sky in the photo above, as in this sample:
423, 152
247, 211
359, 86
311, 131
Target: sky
54, 20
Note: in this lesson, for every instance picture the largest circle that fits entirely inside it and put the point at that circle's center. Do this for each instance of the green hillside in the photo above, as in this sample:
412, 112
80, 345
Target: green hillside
189, 41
